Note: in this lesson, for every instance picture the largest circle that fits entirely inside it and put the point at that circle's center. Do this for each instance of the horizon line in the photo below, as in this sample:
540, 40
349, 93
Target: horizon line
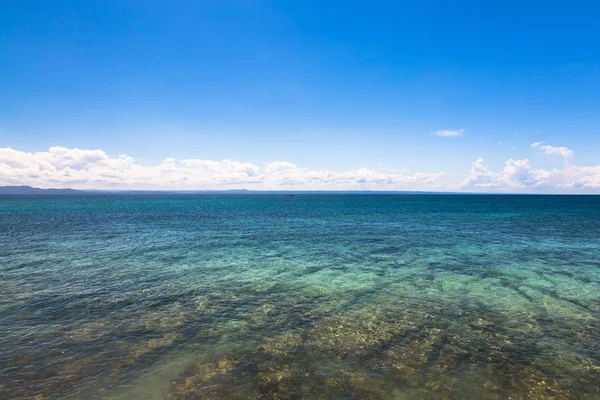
37, 190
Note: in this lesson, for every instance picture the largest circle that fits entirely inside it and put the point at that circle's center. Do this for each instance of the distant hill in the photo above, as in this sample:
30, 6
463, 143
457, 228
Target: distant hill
28, 191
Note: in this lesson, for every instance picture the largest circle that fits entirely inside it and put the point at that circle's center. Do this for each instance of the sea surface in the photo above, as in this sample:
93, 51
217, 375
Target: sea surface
300, 297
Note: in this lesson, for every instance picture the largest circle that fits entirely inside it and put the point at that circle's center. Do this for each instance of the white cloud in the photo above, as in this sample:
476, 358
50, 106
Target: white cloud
62, 167
85, 169
519, 175
281, 167
480, 176
564, 152
449, 133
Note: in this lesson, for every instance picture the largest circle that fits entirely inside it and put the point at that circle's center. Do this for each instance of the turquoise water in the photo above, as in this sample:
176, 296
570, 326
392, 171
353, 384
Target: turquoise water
305, 297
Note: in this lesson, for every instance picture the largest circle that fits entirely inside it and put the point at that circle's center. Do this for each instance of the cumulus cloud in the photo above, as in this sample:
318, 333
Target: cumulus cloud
480, 176
519, 175
449, 133
61, 167
85, 169
564, 152
281, 167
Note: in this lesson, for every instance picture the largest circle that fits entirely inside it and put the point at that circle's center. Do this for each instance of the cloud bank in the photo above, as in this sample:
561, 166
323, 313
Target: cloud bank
61, 167
519, 174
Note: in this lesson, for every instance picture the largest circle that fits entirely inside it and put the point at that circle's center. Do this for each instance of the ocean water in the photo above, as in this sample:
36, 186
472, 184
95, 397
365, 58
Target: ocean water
304, 297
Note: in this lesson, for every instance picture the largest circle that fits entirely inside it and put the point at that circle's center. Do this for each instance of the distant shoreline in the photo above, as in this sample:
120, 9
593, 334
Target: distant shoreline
33, 191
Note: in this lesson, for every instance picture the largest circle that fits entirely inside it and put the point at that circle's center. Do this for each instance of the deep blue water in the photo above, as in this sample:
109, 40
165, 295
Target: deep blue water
304, 297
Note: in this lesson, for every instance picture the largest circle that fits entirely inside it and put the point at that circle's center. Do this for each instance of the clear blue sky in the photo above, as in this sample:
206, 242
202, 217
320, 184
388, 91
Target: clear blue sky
326, 85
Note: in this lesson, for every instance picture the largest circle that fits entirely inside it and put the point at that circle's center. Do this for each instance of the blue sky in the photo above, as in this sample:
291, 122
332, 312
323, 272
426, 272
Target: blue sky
334, 87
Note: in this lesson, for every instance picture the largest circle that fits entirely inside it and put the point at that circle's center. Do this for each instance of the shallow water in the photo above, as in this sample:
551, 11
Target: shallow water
305, 297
